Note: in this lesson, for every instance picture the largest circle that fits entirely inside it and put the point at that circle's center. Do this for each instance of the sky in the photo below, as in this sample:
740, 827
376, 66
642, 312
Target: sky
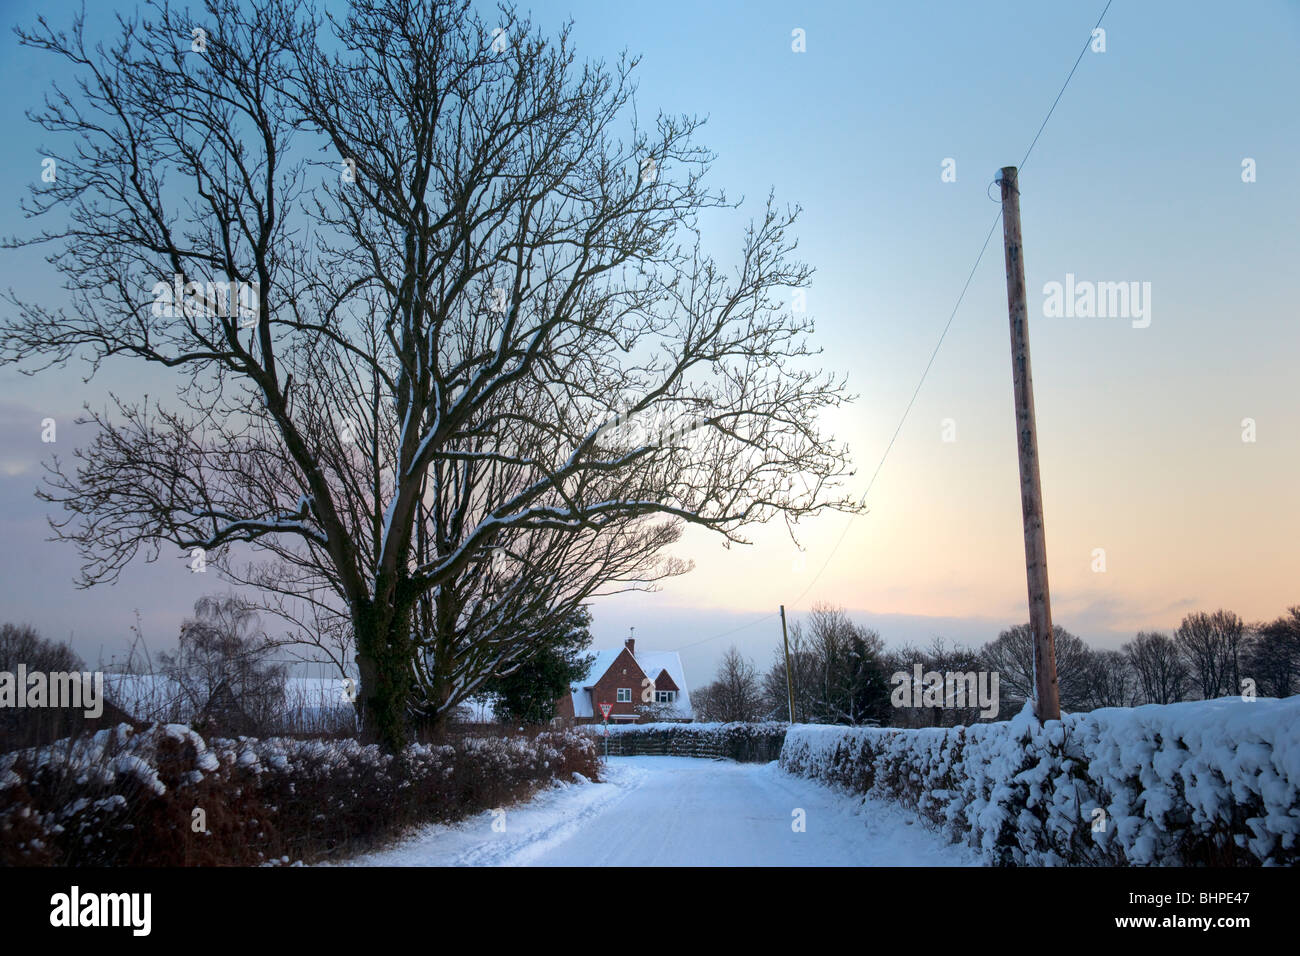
1142, 420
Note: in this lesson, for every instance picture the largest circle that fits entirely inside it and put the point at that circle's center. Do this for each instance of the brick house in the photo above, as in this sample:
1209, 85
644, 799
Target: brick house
634, 683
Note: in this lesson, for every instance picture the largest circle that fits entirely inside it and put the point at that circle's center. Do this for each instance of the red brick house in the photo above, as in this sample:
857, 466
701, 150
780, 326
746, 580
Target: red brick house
633, 683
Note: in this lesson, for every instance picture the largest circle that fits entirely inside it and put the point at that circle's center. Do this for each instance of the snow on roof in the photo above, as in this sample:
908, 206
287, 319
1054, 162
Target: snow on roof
602, 662
580, 690
581, 702
652, 662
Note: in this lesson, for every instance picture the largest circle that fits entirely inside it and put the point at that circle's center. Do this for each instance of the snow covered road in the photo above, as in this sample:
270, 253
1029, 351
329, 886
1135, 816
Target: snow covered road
680, 811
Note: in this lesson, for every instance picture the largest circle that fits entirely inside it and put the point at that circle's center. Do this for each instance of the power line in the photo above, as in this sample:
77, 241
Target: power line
734, 630
933, 354
915, 392
1079, 59
912, 401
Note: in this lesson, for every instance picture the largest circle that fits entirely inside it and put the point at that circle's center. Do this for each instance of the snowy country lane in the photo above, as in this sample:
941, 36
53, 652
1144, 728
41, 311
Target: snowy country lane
681, 811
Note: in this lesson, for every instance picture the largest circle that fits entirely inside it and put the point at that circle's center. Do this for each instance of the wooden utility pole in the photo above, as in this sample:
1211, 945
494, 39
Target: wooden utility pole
1031, 490
789, 686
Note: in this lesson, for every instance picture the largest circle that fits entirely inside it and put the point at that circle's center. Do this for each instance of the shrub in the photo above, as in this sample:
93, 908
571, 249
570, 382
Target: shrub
128, 797
1177, 784
745, 742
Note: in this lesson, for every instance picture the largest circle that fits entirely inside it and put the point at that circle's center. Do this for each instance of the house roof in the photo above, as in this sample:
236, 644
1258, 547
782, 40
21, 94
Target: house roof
652, 662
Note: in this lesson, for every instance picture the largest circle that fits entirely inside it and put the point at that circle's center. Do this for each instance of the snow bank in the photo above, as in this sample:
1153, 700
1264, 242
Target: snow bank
1202, 782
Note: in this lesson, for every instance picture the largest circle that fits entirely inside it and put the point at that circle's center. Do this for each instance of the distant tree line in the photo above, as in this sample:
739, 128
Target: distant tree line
840, 671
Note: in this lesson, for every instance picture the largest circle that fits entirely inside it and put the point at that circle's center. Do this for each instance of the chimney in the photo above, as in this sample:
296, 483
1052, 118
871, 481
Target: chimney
630, 643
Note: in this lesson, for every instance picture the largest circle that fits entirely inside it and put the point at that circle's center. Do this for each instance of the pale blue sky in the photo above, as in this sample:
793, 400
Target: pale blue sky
1137, 177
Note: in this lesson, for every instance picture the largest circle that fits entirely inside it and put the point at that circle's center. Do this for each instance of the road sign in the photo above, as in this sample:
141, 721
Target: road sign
604, 712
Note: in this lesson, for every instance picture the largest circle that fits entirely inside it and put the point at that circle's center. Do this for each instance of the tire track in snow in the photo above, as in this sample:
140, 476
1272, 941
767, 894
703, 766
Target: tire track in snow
679, 811
536, 831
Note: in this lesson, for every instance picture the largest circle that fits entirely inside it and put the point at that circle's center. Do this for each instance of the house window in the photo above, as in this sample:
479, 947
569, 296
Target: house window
624, 695
665, 696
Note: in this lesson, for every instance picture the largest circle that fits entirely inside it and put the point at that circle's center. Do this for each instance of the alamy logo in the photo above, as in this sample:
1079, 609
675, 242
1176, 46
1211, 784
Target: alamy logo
75, 689
227, 300
656, 428
948, 690
102, 909
1098, 300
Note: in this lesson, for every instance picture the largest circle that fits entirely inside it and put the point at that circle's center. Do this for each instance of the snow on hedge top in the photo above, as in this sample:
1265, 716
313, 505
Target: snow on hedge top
1154, 776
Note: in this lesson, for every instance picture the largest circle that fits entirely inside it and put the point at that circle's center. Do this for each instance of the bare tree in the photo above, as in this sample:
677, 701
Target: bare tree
804, 668
837, 669
222, 670
1012, 656
1111, 680
942, 658
478, 320
1210, 644
1273, 656
21, 644
1158, 667
851, 685
734, 694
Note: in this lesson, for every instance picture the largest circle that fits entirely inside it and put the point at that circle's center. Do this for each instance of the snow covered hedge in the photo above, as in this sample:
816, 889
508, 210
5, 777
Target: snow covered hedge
744, 742
165, 796
1204, 782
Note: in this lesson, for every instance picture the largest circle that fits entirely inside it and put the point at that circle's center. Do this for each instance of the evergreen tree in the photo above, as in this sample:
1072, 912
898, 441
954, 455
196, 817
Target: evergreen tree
527, 694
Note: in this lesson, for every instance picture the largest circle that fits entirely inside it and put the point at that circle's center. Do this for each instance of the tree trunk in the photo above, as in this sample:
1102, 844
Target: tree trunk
442, 620
383, 638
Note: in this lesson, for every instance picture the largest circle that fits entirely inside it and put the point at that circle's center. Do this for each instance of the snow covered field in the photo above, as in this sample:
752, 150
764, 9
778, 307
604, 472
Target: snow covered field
682, 811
